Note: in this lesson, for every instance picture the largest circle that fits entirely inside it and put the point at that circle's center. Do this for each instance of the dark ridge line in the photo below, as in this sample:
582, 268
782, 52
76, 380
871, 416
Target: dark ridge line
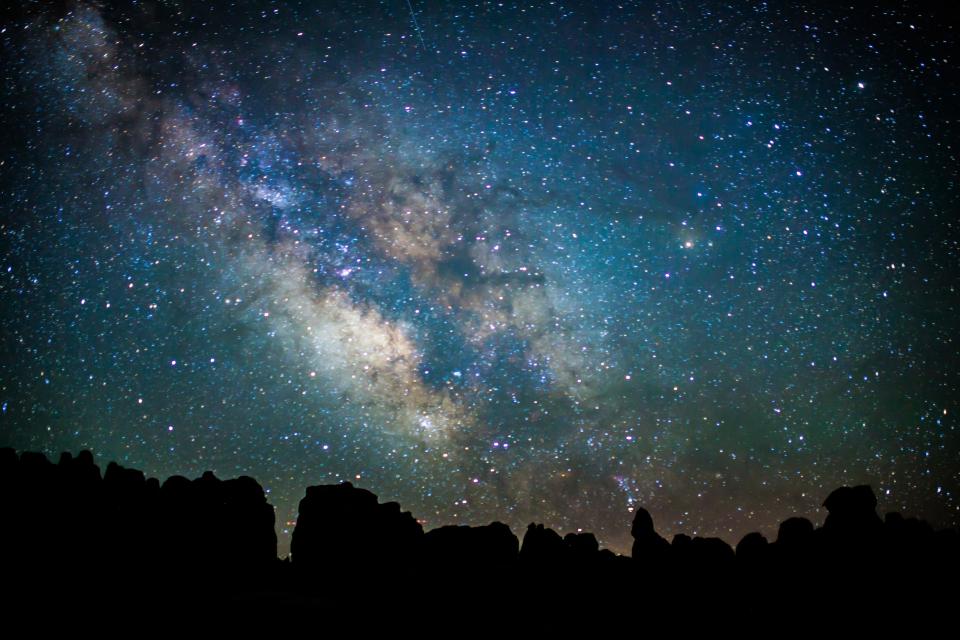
67, 520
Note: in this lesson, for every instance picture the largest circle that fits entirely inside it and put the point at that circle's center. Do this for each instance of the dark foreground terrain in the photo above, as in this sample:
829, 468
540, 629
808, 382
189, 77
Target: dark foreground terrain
73, 536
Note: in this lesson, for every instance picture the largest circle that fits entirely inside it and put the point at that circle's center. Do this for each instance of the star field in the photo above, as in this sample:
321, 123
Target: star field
542, 261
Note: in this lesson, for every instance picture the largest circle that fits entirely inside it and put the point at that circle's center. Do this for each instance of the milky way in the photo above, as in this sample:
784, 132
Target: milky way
529, 262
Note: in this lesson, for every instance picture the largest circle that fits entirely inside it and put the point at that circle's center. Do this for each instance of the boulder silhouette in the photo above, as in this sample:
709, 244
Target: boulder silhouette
581, 546
852, 533
249, 539
753, 551
852, 511
541, 546
795, 533
649, 548
712, 555
340, 527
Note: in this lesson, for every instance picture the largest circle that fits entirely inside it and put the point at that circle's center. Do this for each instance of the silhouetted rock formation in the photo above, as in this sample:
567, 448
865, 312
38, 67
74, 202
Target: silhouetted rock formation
649, 549
712, 556
753, 552
453, 549
342, 529
852, 532
208, 536
581, 545
852, 512
542, 547
66, 515
219, 526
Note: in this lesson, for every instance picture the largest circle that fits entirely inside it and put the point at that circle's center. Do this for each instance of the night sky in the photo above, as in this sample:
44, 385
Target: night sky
541, 261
